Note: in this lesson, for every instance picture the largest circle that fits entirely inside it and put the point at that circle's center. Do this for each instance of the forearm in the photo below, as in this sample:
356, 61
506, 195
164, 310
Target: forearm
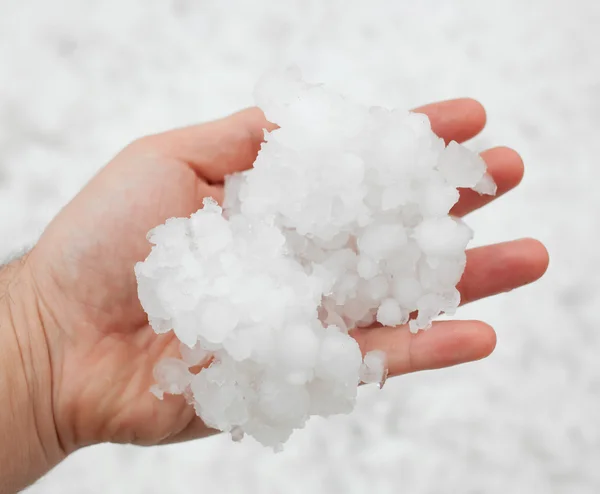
28, 441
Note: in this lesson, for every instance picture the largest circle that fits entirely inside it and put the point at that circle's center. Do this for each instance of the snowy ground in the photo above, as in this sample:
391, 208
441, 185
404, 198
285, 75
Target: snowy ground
81, 78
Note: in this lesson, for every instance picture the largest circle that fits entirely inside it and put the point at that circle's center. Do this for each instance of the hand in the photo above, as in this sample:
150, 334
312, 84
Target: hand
100, 346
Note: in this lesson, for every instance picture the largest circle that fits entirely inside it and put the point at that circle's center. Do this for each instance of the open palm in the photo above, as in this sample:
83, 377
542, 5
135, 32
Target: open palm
102, 350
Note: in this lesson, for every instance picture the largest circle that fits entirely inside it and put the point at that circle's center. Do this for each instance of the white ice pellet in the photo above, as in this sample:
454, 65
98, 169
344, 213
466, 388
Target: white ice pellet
195, 355
172, 376
297, 351
374, 368
486, 185
442, 237
460, 167
217, 320
381, 241
367, 268
343, 221
391, 314
406, 291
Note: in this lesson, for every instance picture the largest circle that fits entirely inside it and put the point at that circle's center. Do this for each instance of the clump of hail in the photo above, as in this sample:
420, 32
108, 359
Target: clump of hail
343, 222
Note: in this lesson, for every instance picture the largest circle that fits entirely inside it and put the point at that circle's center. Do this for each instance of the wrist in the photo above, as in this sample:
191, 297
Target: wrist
30, 445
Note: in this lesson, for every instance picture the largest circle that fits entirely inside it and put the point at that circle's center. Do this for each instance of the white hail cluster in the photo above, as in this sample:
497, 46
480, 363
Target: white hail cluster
342, 222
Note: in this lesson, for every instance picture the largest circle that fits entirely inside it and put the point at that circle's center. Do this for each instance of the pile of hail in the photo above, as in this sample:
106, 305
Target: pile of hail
343, 222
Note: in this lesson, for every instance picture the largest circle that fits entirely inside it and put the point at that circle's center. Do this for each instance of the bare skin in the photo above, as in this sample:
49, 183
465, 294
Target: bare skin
86, 350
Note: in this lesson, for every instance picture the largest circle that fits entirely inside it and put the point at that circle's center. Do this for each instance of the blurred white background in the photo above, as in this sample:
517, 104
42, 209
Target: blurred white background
79, 79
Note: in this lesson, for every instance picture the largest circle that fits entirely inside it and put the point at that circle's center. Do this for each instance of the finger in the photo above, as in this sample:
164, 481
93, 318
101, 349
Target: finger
445, 344
455, 120
505, 166
502, 267
231, 144
218, 148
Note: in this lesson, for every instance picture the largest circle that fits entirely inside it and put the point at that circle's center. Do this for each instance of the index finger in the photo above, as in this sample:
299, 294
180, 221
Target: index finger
455, 120
230, 145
